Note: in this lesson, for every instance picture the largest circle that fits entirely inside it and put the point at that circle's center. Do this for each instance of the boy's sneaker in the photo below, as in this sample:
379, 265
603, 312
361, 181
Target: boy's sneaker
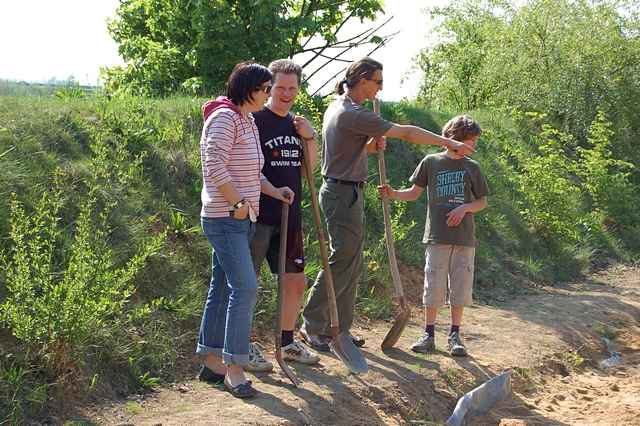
298, 352
425, 344
257, 361
456, 347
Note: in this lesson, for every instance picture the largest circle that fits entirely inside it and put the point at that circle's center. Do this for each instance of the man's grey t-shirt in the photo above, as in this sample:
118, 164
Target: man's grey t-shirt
346, 128
450, 183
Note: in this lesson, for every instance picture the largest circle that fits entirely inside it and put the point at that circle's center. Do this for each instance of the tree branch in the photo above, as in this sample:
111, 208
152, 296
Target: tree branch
302, 15
344, 68
346, 49
335, 58
338, 43
358, 42
335, 33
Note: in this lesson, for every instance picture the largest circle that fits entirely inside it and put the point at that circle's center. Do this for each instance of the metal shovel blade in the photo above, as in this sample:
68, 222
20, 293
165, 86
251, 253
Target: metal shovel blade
349, 353
285, 368
402, 318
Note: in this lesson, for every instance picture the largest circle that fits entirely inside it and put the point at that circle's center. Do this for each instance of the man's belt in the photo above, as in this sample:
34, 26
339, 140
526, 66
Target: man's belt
343, 182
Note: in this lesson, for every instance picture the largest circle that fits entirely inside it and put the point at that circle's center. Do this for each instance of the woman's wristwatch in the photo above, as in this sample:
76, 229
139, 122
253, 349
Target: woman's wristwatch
240, 204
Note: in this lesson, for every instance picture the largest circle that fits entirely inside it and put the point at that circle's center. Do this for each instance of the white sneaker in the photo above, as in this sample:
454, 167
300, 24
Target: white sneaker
298, 352
257, 361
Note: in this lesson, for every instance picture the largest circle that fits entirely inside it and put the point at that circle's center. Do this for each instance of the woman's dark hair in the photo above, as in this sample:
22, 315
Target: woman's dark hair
245, 78
461, 128
359, 70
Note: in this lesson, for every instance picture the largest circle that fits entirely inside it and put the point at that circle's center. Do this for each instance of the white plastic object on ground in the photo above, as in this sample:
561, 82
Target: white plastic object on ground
614, 359
481, 399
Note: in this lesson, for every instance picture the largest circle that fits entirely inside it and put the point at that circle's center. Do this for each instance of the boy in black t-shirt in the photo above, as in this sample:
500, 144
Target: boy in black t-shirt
457, 190
280, 137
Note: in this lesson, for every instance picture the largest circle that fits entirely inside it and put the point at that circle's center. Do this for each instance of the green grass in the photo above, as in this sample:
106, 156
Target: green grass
609, 330
142, 156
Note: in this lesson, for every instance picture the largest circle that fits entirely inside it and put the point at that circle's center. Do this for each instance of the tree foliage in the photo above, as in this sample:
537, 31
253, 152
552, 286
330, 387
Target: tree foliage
193, 44
566, 58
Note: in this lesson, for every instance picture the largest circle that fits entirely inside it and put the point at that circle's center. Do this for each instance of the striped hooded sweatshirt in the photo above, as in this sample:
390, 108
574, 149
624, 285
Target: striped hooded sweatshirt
229, 152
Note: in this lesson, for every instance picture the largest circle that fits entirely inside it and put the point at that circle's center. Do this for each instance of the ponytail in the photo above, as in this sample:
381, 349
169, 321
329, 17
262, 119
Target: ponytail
362, 69
340, 86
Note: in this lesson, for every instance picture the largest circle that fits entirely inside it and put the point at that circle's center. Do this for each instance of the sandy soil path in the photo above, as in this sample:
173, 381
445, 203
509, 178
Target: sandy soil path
551, 340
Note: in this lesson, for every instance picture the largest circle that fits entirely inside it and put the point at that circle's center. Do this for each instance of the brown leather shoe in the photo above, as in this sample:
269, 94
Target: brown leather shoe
357, 340
318, 342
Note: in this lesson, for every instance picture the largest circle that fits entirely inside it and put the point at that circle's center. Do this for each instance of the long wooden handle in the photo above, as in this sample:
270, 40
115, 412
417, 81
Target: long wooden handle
282, 255
328, 277
282, 260
391, 251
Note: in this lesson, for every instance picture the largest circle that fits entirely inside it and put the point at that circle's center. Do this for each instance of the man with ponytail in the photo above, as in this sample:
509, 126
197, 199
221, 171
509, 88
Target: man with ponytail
349, 133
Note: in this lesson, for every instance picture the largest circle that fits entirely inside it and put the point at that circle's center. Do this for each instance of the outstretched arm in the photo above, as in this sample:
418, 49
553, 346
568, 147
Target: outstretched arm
420, 136
406, 194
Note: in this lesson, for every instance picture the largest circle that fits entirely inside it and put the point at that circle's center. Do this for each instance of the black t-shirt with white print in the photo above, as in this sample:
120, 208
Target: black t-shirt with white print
282, 152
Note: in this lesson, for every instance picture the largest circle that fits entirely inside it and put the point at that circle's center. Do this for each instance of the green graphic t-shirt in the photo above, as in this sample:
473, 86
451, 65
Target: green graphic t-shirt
450, 183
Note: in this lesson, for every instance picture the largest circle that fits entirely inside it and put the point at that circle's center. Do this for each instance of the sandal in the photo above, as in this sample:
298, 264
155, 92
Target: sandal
244, 390
210, 376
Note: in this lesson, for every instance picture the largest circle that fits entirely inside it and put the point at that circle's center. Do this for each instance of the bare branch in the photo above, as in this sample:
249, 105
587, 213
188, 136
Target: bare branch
344, 68
358, 42
338, 43
335, 58
334, 5
344, 21
331, 59
345, 50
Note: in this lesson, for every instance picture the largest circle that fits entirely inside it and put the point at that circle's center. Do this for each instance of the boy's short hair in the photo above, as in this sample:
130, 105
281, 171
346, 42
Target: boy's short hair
461, 128
286, 66
246, 78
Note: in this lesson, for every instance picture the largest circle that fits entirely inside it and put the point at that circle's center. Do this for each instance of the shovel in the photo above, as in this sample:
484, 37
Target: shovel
341, 344
282, 257
402, 318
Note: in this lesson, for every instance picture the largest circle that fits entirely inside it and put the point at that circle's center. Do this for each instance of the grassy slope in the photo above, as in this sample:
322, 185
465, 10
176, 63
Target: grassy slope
45, 134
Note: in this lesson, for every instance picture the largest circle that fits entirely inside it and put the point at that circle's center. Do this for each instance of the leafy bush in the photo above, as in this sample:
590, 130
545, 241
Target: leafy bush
551, 201
554, 57
608, 180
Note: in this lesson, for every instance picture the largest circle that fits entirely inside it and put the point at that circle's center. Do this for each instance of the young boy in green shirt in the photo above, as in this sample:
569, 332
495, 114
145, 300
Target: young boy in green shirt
457, 190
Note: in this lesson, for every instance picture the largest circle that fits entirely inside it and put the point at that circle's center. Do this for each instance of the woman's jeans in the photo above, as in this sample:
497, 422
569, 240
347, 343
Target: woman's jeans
228, 311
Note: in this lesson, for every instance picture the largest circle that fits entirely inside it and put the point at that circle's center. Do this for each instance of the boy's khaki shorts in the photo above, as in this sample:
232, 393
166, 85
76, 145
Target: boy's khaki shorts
452, 265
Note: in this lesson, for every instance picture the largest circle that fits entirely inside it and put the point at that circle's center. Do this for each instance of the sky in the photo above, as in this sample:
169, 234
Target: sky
44, 39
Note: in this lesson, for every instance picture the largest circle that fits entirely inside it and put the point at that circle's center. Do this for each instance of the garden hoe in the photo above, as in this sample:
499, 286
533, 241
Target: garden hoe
402, 318
341, 344
282, 257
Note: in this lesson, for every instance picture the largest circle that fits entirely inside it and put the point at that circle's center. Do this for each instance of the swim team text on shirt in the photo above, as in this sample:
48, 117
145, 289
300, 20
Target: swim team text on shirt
281, 147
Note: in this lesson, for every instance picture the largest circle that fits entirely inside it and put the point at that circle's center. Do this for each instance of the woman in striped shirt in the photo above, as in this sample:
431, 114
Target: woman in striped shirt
232, 181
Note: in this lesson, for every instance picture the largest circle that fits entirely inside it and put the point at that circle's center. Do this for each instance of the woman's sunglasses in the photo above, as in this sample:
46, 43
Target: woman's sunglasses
265, 89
